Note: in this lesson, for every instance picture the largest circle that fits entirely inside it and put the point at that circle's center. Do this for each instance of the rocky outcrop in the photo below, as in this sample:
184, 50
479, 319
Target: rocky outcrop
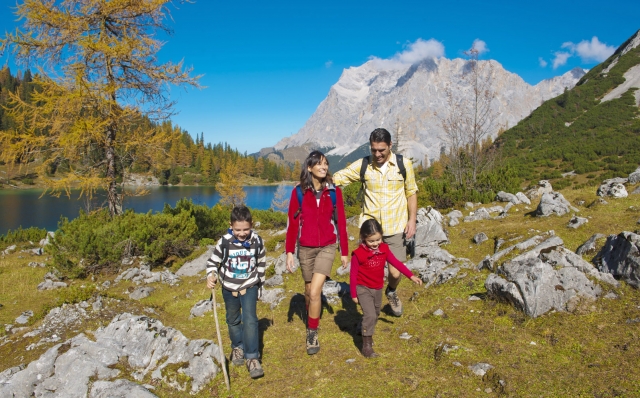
196, 266
543, 187
553, 203
83, 366
589, 247
613, 187
620, 256
577, 222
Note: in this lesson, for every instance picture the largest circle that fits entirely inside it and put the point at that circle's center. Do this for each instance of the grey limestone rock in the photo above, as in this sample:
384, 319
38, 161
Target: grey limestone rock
507, 197
120, 388
576, 222
613, 187
200, 308
620, 257
429, 229
480, 238
453, 222
455, 214
141, 292
196, 266
49, 284
589, 246
24, 317
480, 369
281, 263
553, 203
480, 214
272, 296
543, 187
9, 250
523, 198
634, 177
636, 191
274, 281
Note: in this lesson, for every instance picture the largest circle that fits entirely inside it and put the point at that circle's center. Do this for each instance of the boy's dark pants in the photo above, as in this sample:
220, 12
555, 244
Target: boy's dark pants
243, 320
370, 300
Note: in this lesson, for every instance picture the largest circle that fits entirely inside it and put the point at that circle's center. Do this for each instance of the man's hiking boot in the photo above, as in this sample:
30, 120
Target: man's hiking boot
367, 347
254, 368
237, 356
394, 302
313, 345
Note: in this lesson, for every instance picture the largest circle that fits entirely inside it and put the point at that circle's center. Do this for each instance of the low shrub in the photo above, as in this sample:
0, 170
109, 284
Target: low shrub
269, 219
20, 235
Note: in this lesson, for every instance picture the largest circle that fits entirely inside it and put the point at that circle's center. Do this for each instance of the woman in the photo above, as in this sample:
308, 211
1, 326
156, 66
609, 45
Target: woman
316, 218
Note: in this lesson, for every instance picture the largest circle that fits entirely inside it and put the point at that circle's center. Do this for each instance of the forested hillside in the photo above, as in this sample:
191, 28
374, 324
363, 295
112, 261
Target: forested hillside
579, 132
183, 160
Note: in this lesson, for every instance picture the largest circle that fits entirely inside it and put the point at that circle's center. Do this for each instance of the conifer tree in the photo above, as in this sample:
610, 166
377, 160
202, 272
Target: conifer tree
105, 52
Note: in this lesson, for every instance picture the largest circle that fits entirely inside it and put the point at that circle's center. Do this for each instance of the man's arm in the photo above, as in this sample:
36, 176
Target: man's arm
412, 205
348, 175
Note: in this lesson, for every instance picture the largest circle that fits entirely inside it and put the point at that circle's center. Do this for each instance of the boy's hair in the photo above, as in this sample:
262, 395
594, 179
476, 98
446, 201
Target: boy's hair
241, 213
380, 135
368, 228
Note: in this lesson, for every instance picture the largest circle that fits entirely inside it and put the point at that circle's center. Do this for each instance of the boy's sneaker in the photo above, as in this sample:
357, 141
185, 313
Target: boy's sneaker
254, 368
313, 345
394, 302
237, 356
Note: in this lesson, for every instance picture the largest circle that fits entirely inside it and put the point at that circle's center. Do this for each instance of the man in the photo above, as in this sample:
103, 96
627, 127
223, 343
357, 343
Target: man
390, 199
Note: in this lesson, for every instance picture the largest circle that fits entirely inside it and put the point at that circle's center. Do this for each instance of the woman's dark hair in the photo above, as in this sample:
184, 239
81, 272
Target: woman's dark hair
306, 179
368, 228
380, 135
241, 213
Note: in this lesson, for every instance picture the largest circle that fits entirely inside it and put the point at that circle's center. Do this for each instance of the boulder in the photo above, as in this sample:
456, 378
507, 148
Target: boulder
201, 308
9, 250
480, 237
72, 368
589, 246
620, 256
480, 214
543, 187
272, 296
119, 388
194, 267
613, 187
507, 197
634, 177
523, 198
281, 263
274, 281
141, 293
576, 222
553, 203
429, 229
49, 284
24, 317
455, 214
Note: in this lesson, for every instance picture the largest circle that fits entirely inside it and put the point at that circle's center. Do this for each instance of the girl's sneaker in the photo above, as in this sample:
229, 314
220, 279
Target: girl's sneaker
237, 356
254, 368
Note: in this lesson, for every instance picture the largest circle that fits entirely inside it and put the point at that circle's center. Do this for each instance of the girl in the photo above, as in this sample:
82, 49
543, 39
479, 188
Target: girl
367, 278
316, 218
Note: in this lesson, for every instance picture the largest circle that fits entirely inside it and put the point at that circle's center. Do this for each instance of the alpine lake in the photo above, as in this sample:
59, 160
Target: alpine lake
29, 208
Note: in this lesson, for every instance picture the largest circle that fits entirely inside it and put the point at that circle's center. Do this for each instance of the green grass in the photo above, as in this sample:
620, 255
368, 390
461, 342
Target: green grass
592, 353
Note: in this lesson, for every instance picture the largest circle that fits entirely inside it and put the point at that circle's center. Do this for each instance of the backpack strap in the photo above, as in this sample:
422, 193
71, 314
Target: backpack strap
363, 168
403, 170
332, 194
224, 245
299, 195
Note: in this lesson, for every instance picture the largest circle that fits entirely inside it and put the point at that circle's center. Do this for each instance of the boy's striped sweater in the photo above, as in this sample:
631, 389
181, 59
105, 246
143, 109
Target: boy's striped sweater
244, 262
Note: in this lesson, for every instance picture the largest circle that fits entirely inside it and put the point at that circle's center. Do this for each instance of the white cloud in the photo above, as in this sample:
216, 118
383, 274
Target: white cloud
542, 62
560, 59
480, 46
414, 52
588, 51
328, 64
593, 50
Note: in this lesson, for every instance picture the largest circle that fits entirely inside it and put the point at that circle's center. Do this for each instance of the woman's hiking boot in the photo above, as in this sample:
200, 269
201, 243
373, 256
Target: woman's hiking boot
254, 368
313, 345
237, 356
367, 347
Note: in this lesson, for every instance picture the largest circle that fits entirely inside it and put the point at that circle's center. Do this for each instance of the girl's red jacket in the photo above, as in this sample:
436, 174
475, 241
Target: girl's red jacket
314, 224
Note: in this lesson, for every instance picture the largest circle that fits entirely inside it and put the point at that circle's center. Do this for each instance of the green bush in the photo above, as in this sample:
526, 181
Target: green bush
271, 244
20, 235
96, 241
212, 222
188, 179
269, 219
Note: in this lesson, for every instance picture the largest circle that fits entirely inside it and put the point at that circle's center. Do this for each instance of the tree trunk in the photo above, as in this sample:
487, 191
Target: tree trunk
113, 199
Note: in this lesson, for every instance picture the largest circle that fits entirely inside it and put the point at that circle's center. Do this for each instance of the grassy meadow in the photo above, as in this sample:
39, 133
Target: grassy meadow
590, 353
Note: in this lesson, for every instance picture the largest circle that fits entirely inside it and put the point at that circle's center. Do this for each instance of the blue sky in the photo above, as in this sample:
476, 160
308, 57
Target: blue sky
268, 65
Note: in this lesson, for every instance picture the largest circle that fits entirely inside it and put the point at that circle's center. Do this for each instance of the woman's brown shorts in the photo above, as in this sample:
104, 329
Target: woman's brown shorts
316, 260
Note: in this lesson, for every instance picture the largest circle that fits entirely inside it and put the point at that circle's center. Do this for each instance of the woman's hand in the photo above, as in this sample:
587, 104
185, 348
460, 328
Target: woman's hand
345, 261
416, 280
290, 263
211, 281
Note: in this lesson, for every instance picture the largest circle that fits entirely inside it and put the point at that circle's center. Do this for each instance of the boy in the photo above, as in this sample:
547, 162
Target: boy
238, 260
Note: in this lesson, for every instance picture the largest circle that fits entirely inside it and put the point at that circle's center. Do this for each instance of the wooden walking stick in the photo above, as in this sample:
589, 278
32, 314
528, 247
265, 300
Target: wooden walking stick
224, 358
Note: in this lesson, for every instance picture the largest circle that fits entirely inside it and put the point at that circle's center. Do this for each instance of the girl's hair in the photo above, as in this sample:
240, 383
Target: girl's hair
306, 179
368, 228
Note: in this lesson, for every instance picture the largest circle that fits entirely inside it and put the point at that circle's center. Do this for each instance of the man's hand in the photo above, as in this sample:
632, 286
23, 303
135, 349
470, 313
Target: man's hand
345, 261
355, 300
211, 281
410, 229
290, 263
